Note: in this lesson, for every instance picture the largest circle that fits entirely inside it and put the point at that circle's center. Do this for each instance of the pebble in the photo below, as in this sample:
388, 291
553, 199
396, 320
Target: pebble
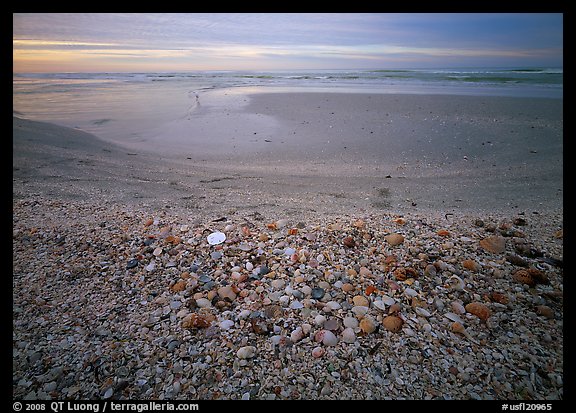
244, 320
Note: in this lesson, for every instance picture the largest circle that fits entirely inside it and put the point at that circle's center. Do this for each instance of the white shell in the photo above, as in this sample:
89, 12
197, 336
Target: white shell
348, 335
454, 317
329, 338
423, 312
216, 238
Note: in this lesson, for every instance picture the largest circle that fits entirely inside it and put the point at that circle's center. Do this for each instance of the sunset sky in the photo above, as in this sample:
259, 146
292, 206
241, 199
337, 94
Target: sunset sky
181, 42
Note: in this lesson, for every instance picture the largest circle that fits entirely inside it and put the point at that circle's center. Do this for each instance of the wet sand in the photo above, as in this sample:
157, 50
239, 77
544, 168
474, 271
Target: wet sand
290, 153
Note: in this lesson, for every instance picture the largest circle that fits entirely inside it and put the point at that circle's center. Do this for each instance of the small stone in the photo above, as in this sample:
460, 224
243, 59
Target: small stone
317, 293
157, 252
131, 264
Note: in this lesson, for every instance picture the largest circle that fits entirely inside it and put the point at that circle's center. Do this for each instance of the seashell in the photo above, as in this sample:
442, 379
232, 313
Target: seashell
471, 265
400, 274
226, 324
454, 317
246, 352
359, 310
367, 325
272, 226
318, 352
499, 297
329, 338
538, 276
410, 292
545, 311
458, 328
392, 323
422, 312
371, 289
296, 334
259, 325
293, 231
524, 277
399, 221
349, 242
457, 307
332, 324
348, 335
479, 310
394, 239
394, 308
455, 283
388, 300
379, 304
443, 233
179, 286
359, 223
360, 300
495, 244
350, 322
195, 320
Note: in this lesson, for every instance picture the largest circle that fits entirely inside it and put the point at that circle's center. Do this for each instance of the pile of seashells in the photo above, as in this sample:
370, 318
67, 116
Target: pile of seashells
123, 304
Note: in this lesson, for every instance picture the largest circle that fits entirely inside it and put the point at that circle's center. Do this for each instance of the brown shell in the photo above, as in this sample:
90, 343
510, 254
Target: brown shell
349, 242
471, 265
392, 323
524, 277
499, 297
538, 276
457, 327
494, 244
179, 286
196, 320
479, 310
394, 239
400, 274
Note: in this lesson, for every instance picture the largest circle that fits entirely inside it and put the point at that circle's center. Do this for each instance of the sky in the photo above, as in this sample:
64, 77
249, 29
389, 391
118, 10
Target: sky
110, 42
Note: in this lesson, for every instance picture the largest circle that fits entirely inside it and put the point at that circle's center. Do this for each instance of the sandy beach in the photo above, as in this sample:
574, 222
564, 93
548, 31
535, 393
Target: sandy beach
118, 294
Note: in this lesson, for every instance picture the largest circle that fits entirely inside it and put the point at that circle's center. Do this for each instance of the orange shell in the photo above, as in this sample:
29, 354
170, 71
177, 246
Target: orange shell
479, 310
371, 289
393, 323
443, 233
457, 327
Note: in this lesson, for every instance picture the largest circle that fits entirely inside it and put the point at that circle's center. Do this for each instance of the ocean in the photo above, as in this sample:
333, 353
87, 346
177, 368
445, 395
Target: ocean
109, 103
